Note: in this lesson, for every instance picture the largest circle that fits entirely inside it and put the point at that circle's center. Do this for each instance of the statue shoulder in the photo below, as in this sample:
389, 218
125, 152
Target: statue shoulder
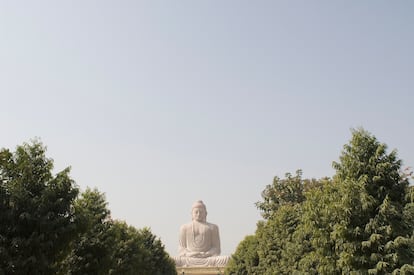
185, 226
212, 226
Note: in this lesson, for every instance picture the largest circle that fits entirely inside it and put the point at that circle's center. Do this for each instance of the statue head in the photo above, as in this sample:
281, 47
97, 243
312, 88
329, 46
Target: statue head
199, 211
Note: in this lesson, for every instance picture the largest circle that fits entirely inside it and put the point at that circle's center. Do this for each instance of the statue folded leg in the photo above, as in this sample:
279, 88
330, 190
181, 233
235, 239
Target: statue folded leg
210, 261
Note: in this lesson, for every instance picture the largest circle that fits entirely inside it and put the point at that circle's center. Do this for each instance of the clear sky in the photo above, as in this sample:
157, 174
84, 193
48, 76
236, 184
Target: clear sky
161, 103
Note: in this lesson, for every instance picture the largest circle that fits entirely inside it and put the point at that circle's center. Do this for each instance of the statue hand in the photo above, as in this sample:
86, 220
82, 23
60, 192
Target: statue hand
206, 254
193, 254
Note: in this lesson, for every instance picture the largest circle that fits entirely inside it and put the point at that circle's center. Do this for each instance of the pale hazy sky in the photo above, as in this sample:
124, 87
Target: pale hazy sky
161, 103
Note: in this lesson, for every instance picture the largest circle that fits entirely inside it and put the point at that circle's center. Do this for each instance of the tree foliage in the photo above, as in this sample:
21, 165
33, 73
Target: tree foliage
46, 228
105, 246
90, 252
246, 259
359, 222
37, 215
376, 237
282, 192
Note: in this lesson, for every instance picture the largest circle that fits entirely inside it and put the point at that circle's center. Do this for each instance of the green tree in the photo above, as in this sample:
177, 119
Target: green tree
359, 224
37, 217
128, 251
272, 249
320, 214
157, 260
105, 246
91, 251
281, 192
280, 246
139, 251
245, 260
376, 235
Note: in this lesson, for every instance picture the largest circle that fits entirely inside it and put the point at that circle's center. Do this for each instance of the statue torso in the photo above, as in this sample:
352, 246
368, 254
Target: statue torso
199, 236
199, 245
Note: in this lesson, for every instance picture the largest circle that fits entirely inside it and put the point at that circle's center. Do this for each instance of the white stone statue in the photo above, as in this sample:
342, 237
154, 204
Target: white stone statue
199, 242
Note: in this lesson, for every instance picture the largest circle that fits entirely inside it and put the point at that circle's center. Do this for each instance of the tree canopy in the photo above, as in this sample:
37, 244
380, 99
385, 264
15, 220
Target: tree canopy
48, 227
37, 215
358, 222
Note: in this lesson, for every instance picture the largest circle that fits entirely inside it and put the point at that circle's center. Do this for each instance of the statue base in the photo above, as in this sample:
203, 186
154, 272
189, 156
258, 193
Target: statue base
201, 270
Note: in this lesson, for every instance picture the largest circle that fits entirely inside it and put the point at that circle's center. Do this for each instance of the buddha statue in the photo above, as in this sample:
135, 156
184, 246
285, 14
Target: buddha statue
199, 241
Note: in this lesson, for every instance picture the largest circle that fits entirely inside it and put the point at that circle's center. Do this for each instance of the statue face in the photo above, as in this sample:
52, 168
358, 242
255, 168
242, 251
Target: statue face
199, 214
